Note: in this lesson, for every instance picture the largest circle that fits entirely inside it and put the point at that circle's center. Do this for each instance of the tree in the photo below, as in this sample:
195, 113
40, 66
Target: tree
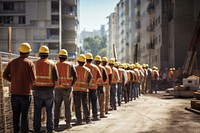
94, 45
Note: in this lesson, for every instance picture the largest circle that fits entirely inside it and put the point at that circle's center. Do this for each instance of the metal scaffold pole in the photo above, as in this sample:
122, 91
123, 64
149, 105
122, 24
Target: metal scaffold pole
2, 102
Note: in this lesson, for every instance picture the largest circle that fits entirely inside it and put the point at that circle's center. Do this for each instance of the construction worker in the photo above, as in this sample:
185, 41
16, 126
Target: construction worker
154, 80
96, 74
107, 83
121, 83
143, 85
149, 71
67, 77
113, 86
100, 84
170, 77
47, 76
80, 90
136, 81
21, 73
128, 83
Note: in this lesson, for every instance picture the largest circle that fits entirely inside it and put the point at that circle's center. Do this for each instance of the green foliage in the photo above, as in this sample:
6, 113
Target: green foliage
95, 45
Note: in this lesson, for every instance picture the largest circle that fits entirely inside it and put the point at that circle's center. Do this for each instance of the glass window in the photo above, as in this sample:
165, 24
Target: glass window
8, 6
22, 20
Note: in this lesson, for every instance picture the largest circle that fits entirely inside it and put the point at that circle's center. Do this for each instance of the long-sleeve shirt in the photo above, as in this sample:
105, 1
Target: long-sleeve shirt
21, 73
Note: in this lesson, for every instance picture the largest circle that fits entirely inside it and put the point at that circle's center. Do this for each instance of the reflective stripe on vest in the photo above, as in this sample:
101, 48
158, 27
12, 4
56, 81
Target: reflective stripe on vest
81, 82
42, 80
65, 79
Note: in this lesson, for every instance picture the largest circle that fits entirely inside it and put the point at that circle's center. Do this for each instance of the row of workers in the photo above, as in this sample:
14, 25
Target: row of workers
51, 83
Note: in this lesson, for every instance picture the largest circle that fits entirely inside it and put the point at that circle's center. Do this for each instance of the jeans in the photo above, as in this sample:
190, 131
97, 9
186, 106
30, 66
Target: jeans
81, 97
154, 85
93, 100
113, 88
20, 107
43, 98
119, 93
60, 96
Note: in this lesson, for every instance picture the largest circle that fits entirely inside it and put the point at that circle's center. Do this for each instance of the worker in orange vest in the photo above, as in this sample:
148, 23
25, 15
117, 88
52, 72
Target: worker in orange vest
113, 87
96, 74
121, 83
66, 79
100, 84
107, 83
47, 76
21, 73
154, 79
80, 90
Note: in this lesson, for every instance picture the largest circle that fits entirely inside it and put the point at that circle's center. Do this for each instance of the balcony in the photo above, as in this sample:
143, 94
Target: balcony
69, 41
137, 25
151, 45
151, 8
150, 28
70, 2
70, 14
15, 11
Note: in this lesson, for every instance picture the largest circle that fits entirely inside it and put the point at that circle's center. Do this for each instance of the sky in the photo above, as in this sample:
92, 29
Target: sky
93, 13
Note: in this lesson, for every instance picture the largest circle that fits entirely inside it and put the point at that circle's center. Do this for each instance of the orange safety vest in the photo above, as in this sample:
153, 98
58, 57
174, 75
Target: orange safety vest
136, 75
65, 77
120, 71
44, 76
109, 71
154, 75
100, 80
95, 75
81, 83
115, 76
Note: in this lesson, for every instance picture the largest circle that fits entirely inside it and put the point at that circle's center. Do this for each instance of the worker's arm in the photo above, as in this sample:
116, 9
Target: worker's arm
89, 77
55, 75
32, 73
104, 74
6, 73
74, 75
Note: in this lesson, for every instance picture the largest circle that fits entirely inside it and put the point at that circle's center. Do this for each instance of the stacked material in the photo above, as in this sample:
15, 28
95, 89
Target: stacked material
191, 81
195, 104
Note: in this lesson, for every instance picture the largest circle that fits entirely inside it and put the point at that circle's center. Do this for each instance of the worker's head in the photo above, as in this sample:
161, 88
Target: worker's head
44, 52
104, 61
121, 66
111, 62
81, 59
89, 57
25, 48
116, 64
97, 59
63, 54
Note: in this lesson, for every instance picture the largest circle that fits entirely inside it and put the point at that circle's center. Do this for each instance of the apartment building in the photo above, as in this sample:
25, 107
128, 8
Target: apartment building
54, 23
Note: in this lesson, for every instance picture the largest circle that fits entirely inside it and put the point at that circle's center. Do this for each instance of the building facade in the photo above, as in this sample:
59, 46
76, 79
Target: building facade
54, 23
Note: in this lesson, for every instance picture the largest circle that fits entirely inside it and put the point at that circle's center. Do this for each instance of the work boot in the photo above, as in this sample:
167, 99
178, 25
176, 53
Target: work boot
103, 116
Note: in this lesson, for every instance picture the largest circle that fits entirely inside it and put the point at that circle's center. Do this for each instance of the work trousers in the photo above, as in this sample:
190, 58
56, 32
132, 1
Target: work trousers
81, 97
43, 98
113, 88
93, 100
119, 93
60, 96
20, 108
100, 92
107, 97
154, 85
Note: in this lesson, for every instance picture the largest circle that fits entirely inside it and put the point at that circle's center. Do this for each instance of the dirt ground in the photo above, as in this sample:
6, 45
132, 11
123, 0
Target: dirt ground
150, 113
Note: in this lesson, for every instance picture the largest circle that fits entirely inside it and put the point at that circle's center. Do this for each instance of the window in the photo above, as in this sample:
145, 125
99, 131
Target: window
9, 6
6, 19
159, 20
22, 20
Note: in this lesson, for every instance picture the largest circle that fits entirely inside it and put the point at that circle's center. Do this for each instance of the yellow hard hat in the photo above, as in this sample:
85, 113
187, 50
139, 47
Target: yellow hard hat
44, 49
81, 58
105, 59
63, 52
97, 58
121, 65
112, 61
116, 64
89, 56
144, 65
25, 48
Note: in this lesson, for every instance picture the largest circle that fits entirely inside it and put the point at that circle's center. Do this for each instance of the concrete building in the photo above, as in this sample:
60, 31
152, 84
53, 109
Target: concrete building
54, 23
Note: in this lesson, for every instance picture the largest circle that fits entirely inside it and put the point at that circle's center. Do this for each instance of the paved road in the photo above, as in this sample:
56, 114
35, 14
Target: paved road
151, 113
